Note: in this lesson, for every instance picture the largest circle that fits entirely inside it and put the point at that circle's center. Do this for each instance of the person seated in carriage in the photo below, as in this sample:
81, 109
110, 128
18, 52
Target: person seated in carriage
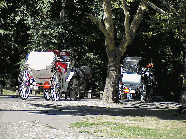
61, 57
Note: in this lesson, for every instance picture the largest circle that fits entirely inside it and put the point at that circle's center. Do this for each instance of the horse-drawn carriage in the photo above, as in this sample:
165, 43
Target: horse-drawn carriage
54, 72
137, 78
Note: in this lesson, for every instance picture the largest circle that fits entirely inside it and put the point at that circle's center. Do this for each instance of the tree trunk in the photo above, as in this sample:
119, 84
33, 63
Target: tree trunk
110, 93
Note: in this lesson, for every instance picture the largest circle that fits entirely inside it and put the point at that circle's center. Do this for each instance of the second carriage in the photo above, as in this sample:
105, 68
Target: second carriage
137, 79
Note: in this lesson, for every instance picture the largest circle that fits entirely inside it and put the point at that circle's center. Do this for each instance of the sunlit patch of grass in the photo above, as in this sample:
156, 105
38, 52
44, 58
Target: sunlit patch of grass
131, 127
8, 92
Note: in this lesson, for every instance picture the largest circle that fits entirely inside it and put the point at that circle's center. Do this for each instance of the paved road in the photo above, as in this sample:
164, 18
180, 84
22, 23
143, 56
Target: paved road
37, 118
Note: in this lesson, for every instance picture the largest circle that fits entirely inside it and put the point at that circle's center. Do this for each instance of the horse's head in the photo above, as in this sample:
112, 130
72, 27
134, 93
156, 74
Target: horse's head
87, 70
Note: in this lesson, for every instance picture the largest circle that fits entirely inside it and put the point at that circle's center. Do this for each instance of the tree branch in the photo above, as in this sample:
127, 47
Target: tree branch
127, 38
126, 23
137, 19
101, 27
130, 33
170, 7
107, 6
155, 7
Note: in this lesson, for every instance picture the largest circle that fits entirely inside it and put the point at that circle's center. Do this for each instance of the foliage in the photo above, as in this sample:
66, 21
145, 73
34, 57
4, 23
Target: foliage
40, 25
173, 19
16, 30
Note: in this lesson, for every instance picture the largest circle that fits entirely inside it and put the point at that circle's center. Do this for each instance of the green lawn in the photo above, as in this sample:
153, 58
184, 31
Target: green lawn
131, 127
9, 92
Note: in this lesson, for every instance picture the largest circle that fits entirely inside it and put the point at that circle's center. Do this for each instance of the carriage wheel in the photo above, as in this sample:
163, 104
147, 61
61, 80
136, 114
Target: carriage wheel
47, 94
55, 94
24, 92
57, 86
74, 89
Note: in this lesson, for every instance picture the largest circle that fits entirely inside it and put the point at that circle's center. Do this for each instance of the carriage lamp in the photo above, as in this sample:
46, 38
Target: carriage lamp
150, 65
126, 90
46, 85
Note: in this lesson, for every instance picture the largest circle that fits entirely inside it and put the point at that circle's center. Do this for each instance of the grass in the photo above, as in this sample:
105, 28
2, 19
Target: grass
131, 127
10, 92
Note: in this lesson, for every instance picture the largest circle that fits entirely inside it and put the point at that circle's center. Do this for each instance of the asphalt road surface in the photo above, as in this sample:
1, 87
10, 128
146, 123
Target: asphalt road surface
37, 118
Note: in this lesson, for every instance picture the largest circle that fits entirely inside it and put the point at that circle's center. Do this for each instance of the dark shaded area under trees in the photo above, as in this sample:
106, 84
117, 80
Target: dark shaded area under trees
83, 36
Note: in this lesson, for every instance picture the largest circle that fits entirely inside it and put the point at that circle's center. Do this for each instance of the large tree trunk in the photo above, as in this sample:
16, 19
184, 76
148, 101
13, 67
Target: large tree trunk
110, 93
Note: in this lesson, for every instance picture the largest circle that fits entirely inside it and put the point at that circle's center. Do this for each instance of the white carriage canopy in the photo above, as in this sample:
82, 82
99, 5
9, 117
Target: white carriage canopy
39, 60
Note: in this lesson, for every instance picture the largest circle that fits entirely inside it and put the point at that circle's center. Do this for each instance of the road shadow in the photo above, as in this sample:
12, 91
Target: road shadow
72, 108
163, 113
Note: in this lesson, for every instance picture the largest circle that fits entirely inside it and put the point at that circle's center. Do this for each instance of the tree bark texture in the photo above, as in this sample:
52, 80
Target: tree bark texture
111, 90
107, 18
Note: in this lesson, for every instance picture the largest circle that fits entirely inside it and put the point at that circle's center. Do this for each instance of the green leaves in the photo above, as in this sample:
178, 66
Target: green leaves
25, 26
172, 20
